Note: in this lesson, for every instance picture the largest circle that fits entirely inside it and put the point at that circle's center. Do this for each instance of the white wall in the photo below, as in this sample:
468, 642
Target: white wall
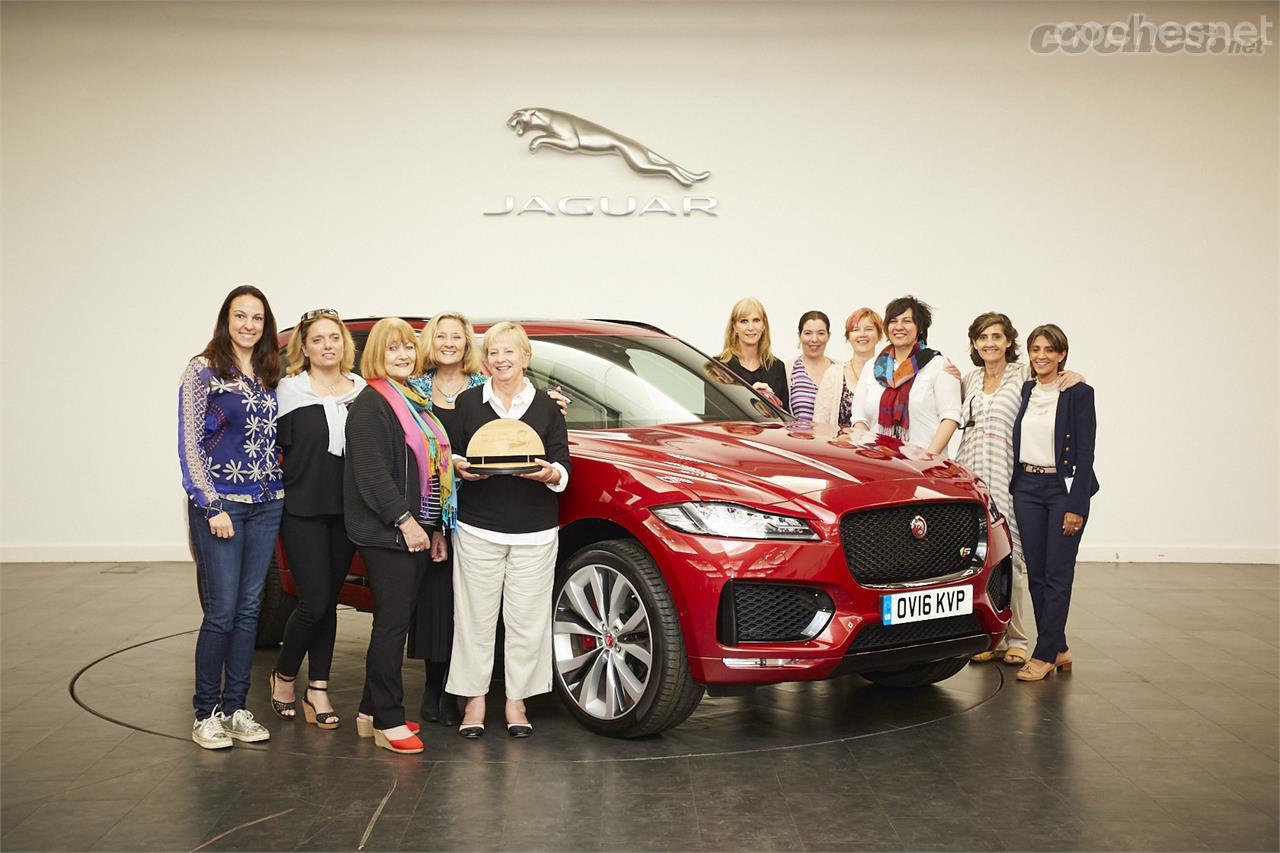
155, 155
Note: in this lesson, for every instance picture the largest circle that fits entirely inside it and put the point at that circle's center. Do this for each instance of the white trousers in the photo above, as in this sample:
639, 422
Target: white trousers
519, 578
1016, 636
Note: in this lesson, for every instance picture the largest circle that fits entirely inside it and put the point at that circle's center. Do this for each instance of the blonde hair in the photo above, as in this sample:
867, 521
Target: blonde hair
373, 361
296, 357
503, 328
745, 307
427, 337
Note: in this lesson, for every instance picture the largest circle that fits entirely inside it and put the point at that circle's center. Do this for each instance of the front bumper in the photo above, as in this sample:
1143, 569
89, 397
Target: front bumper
698, 569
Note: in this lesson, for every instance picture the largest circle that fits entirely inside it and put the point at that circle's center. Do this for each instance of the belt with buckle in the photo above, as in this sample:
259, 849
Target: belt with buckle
1038, 469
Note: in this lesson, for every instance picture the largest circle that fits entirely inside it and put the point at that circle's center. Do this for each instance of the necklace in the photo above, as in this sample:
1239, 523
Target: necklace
449, 398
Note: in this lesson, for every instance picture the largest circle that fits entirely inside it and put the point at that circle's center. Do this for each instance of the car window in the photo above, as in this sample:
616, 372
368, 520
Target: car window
618, 381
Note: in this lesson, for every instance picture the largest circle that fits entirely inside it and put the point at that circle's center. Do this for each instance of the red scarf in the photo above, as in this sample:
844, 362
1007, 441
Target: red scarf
895, 410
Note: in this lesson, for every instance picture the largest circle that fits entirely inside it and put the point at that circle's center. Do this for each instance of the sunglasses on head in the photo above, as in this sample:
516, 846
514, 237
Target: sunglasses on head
320, 312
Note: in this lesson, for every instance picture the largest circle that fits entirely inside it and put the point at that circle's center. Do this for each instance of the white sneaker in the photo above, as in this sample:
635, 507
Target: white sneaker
242, 726
209, 732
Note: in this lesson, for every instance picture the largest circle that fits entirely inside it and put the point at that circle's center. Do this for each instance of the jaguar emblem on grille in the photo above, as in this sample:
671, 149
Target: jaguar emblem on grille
918, 527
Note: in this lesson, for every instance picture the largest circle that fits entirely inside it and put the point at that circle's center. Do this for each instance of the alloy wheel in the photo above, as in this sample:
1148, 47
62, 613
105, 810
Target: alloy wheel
602, 641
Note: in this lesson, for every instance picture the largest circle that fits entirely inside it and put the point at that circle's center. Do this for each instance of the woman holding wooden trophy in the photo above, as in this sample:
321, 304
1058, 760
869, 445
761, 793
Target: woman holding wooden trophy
516, 464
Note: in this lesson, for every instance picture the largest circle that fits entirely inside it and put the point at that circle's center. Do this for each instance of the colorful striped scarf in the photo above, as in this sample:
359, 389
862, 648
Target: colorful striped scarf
429, 442
895, 411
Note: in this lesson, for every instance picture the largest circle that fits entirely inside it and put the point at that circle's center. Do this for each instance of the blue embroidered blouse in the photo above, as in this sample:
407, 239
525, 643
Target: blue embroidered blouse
227, 439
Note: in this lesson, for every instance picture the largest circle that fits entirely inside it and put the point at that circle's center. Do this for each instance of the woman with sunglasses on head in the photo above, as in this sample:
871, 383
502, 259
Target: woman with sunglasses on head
398, 494
834, 404
314, 399
1053, 480
809, 368
230, 472
906, 392
747, 351
992, 395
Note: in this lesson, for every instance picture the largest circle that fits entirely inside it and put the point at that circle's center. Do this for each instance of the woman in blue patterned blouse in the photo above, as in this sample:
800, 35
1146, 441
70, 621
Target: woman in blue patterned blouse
231, 474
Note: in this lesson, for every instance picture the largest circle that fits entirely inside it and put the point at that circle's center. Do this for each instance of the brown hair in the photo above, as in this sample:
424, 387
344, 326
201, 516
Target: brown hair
813, 315
265, 359
984, 321
921, 313
1056, 338
373, 361
297, 359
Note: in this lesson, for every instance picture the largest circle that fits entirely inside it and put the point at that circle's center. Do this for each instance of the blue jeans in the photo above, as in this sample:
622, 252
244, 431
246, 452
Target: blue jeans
231, 573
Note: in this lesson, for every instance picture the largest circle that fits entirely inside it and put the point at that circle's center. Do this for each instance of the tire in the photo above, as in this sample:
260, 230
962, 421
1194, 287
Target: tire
277, 605
920, 675
631, 683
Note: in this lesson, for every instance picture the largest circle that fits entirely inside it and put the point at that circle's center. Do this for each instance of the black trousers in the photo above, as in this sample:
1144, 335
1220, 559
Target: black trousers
394, 578
1040, 502
319, 554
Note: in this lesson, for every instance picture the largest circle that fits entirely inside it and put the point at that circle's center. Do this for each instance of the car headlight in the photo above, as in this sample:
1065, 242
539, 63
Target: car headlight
733, 521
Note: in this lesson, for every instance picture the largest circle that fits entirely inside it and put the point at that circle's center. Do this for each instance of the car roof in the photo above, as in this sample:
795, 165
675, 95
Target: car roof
533, 326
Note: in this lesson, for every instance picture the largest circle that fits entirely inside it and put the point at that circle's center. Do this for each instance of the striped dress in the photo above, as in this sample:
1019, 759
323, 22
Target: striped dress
987, 446
803, 391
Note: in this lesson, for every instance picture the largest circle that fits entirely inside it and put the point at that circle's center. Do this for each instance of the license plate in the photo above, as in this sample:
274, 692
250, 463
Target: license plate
904, 607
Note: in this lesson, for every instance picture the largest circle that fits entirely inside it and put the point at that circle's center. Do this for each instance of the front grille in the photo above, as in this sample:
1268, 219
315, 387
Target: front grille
1000, 584
881, 549
771, 612
877, 636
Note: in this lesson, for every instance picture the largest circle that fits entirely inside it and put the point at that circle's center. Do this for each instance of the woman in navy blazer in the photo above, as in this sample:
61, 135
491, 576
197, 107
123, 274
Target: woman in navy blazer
1053, 480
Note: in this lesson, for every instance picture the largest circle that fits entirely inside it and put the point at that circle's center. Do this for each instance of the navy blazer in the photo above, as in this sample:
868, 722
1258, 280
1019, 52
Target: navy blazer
1074, 433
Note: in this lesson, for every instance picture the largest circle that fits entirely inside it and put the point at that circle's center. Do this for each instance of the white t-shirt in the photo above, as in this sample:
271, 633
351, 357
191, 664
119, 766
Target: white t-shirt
935, 397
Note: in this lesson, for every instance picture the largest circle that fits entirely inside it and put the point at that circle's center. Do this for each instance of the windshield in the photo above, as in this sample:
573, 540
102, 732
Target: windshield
620, 381
617, 381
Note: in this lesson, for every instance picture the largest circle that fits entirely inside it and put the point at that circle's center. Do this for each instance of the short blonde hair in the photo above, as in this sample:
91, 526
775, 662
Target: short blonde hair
297, 358
426, 342
503, 328
745, 307
385, 332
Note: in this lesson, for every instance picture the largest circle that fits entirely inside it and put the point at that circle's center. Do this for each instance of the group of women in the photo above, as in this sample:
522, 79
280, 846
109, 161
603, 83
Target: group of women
332, 461
1028, 431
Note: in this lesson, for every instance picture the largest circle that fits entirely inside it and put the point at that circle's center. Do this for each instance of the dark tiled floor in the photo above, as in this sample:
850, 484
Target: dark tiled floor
1165, 738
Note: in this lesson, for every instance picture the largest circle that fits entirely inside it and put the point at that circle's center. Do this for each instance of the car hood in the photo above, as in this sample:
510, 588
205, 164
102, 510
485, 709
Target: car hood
765, 464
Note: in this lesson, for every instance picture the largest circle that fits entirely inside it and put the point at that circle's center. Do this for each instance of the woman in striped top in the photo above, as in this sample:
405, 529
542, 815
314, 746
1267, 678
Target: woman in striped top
811, 365
992, 396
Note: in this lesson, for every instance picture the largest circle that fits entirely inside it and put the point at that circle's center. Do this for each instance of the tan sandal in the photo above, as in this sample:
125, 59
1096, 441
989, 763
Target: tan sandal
984, 657
1036, 670
1015, 657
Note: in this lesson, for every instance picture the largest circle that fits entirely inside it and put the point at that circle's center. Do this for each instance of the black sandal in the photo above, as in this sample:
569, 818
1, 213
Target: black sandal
321, 719
281, 708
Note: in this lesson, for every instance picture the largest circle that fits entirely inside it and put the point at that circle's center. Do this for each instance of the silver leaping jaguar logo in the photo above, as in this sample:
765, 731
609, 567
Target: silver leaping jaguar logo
575, 135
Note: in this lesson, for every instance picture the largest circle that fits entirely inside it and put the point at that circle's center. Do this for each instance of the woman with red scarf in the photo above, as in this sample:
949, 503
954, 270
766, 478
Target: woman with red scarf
906, 392
398, 498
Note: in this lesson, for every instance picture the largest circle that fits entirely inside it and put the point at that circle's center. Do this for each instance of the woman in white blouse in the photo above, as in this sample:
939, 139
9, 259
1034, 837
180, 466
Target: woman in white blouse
992, 396
906, 392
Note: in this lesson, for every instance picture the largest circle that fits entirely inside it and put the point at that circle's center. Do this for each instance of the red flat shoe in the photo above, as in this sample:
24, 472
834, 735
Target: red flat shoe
406, 745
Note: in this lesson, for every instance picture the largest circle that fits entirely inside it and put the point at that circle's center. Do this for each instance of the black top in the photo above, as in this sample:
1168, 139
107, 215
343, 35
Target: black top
775, 376
504, 503
312, 475
452, 426
380, 478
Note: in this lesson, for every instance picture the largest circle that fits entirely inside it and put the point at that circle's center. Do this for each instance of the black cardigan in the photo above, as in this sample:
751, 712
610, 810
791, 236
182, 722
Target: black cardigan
380, 477
1075, 431
505, 503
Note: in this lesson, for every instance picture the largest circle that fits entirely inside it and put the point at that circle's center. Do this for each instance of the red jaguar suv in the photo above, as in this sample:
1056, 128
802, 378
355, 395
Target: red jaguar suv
708, 542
